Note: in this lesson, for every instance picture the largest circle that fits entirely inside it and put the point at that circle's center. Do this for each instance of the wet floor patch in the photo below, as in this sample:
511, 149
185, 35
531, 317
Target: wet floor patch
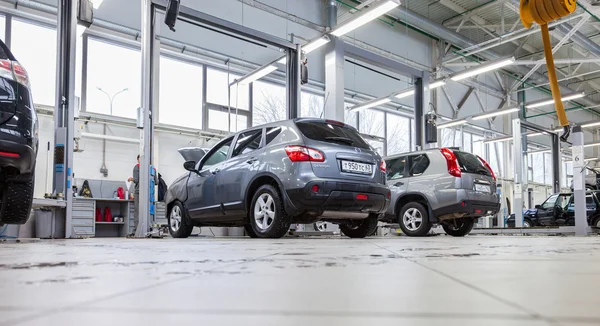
37, 265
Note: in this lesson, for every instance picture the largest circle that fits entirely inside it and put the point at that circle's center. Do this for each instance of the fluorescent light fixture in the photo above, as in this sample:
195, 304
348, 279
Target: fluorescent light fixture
535, 134
370, 104
315, 44
406, 94
96, 3
585, 160
282, 60
495, 113
549, 102
370, 14
591, 145
256, 75
451, 124
437, 84
489, 66
498, 140
591, 124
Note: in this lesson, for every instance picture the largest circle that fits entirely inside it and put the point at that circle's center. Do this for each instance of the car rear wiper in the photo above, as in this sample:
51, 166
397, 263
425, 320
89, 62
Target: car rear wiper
341, 140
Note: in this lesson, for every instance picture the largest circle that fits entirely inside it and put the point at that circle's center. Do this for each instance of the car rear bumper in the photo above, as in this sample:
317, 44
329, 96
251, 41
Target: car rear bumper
337, 196
24, 163
469, 208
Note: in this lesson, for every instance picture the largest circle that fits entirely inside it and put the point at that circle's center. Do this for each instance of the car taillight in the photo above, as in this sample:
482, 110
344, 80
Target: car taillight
383, 166
487, 166
14, 71
451, 161
304, 154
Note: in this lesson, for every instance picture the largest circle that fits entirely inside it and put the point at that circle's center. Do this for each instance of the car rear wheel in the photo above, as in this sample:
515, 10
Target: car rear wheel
414, 220
596, 222
360, 228
267, 216
179, 224
459, 227
15, 202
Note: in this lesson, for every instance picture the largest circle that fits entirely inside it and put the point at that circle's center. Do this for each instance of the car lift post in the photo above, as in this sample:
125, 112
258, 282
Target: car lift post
64, 109
581, 225
150, 55
519, 172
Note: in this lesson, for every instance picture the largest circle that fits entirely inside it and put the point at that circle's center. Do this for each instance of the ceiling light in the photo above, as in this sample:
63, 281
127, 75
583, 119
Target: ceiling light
591, 124
437, 84
495, 113
451, 124
591, 145
498, 140
372, 13
536, 134
370, 104
406, 94
489, 66
256, 75
585, 160
96, 3
315, 44
549, 102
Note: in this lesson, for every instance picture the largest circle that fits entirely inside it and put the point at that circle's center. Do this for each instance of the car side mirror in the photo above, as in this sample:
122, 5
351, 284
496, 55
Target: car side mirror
190, 166
538, 206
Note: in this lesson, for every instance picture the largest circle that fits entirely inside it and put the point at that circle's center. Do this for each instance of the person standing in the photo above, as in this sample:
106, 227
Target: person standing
136, 195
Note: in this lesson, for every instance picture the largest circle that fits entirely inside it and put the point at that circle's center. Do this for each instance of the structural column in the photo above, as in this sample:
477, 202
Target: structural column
65, 105
421, 104
334, 80
520, 176
581, 225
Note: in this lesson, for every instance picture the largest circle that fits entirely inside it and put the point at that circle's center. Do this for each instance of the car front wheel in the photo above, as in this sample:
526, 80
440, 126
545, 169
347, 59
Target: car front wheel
360, 228
179, 224
267, 216
459, 227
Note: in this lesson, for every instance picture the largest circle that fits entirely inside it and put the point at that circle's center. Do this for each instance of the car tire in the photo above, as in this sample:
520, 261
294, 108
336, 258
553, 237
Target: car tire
414, 220
267, 216
250, 231
179, 224
15, 202
462, 227
527, 223
596, 222
361, 228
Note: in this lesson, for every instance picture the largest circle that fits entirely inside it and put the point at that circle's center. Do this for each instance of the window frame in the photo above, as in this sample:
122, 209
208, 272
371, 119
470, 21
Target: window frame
411, 162
239, 135
200, 166
404, 172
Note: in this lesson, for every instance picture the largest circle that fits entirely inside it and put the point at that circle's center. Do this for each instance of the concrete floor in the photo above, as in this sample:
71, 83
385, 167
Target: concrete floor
477, 280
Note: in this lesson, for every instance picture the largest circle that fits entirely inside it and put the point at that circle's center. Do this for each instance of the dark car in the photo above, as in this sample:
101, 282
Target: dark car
18, 140
559, 210
294, 171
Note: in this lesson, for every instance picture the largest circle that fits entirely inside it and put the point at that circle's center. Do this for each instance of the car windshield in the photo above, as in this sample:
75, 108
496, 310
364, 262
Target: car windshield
332, 133
470, 163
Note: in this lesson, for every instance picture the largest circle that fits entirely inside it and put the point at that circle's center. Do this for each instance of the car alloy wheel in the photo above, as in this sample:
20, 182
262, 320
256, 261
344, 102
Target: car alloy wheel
175, 219
598, 223
412, 219
264, 211
526, 224
320, 226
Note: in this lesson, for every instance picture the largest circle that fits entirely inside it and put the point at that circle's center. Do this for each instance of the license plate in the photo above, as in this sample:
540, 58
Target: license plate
354, 167
483, 188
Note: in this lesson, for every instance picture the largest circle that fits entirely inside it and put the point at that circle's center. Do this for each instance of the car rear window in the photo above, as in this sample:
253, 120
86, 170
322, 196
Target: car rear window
4, 52
332, 133
470, 163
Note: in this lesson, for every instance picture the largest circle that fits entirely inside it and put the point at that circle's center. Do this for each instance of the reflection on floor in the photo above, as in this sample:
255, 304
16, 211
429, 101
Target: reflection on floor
477, 280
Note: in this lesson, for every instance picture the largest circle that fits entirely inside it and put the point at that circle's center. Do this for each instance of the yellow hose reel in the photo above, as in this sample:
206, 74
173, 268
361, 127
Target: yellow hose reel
544, 12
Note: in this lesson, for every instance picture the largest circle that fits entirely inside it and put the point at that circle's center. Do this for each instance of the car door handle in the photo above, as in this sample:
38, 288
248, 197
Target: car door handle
398, 184
252, 160
216, 170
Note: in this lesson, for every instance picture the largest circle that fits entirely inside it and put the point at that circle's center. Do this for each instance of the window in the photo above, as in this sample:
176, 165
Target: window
180, 98
247, 142
470, 163
538, 167
395, 168
371, 122
311, 105
467, 146
2, 28
350, 116
377, 146
113, 79
272, 132
451, 137
34, 46
496, 160
268, 103
332, 133
216, 90
398, 138
419, 164
218, 120
219, 155
547, 168
477, 145
549, 203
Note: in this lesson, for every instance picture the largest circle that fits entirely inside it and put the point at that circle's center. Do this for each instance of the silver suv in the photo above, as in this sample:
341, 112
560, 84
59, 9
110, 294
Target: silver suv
440, 186
294, 171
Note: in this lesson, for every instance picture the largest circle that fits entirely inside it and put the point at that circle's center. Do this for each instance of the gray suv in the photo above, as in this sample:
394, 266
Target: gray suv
294, 171
440, 186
